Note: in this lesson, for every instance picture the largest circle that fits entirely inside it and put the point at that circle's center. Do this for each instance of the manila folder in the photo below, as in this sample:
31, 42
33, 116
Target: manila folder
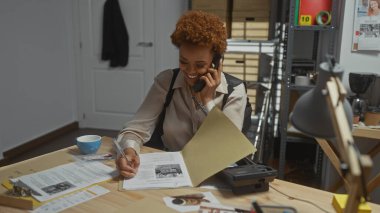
217, 144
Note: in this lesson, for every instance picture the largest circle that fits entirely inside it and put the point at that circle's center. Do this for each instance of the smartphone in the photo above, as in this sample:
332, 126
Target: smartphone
200, 84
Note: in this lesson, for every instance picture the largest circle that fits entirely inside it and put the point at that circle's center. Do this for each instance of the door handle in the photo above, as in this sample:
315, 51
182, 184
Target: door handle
145, 44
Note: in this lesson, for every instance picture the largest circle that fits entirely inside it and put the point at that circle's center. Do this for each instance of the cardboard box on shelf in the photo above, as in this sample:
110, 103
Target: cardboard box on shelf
233, 62
242, 56
250, 19
211, 5
245, 69
237, 32
252, 15
256, 38
252, 61
249, 33
251, 5
264, 25
251, 38
252, 96
251, 92
241, 60
225, 16
243, 66
233, 55
221, 8
240, 70
247, 77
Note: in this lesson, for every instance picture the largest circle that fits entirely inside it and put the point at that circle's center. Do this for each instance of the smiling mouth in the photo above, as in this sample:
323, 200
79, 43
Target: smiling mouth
192, 76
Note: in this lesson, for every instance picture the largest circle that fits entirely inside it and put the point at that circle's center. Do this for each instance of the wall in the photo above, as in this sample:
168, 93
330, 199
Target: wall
166, 16
37, 78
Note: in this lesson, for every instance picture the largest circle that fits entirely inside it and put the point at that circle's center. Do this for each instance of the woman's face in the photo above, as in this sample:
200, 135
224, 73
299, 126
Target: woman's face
194, 61
373, 4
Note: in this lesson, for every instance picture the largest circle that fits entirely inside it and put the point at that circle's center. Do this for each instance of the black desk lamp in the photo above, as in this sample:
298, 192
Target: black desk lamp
310, 114
324, 112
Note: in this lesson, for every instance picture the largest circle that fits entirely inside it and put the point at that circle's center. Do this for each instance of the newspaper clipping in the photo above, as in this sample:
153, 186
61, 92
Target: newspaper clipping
63, 179
159, 170
366, 34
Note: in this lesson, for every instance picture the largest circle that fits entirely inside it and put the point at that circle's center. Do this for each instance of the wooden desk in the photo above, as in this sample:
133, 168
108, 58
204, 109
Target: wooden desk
121, 201
366, 132
331, 153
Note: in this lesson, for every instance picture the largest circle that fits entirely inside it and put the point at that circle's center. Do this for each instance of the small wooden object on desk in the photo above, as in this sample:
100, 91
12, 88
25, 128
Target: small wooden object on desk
372, 118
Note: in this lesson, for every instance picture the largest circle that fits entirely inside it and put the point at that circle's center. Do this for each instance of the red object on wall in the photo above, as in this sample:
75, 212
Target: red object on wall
313, 7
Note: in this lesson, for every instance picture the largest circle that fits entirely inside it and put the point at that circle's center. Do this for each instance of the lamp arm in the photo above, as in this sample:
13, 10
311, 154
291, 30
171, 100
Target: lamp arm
359, 165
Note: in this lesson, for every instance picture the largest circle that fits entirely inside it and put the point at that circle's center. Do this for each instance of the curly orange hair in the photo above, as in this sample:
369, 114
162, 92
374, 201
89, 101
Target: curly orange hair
201, 28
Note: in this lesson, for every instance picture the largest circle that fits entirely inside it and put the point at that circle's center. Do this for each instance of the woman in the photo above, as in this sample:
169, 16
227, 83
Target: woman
373, 8
200, 37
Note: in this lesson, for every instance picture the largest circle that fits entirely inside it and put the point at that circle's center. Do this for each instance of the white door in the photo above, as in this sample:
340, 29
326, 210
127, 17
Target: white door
109, 97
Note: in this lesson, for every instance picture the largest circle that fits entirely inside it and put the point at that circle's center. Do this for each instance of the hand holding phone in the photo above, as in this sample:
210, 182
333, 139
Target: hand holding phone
200, 84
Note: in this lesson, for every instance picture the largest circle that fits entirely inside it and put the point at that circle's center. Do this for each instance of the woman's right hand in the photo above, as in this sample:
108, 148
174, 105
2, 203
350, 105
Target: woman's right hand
128, 168
212, 79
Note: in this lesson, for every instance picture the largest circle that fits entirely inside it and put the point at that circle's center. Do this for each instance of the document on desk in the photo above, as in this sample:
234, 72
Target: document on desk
217, 144
160, 170
60, 180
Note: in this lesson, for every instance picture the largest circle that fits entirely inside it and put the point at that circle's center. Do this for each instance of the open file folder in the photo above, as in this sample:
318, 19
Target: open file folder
217, 144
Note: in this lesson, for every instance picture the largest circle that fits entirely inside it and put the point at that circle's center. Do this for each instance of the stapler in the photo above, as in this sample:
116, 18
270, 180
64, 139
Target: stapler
248, 177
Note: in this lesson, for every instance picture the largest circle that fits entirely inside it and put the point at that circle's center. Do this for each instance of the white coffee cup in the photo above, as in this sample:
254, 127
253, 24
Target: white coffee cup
301, 80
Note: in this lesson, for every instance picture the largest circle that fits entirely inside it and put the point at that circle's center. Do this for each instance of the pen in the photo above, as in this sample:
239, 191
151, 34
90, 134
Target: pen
256, 206
118, 148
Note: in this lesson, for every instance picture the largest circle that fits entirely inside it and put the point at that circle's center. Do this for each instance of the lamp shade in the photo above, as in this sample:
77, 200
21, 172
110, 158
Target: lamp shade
311, 114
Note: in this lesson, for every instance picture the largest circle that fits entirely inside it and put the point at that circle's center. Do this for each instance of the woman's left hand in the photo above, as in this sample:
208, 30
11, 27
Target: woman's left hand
212, 79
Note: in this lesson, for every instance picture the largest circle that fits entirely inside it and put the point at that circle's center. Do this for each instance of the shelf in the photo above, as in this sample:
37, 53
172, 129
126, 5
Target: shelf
313, 28
301, 88
256, 84
295, 139
322, 38
295, 136
303, 63
250, 46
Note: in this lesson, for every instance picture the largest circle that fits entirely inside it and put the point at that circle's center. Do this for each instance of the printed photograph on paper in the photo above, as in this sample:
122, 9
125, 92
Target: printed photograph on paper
168, 171
370, 30
59, 187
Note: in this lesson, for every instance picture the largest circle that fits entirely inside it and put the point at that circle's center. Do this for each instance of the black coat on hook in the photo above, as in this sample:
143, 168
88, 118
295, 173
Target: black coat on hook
115, 35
